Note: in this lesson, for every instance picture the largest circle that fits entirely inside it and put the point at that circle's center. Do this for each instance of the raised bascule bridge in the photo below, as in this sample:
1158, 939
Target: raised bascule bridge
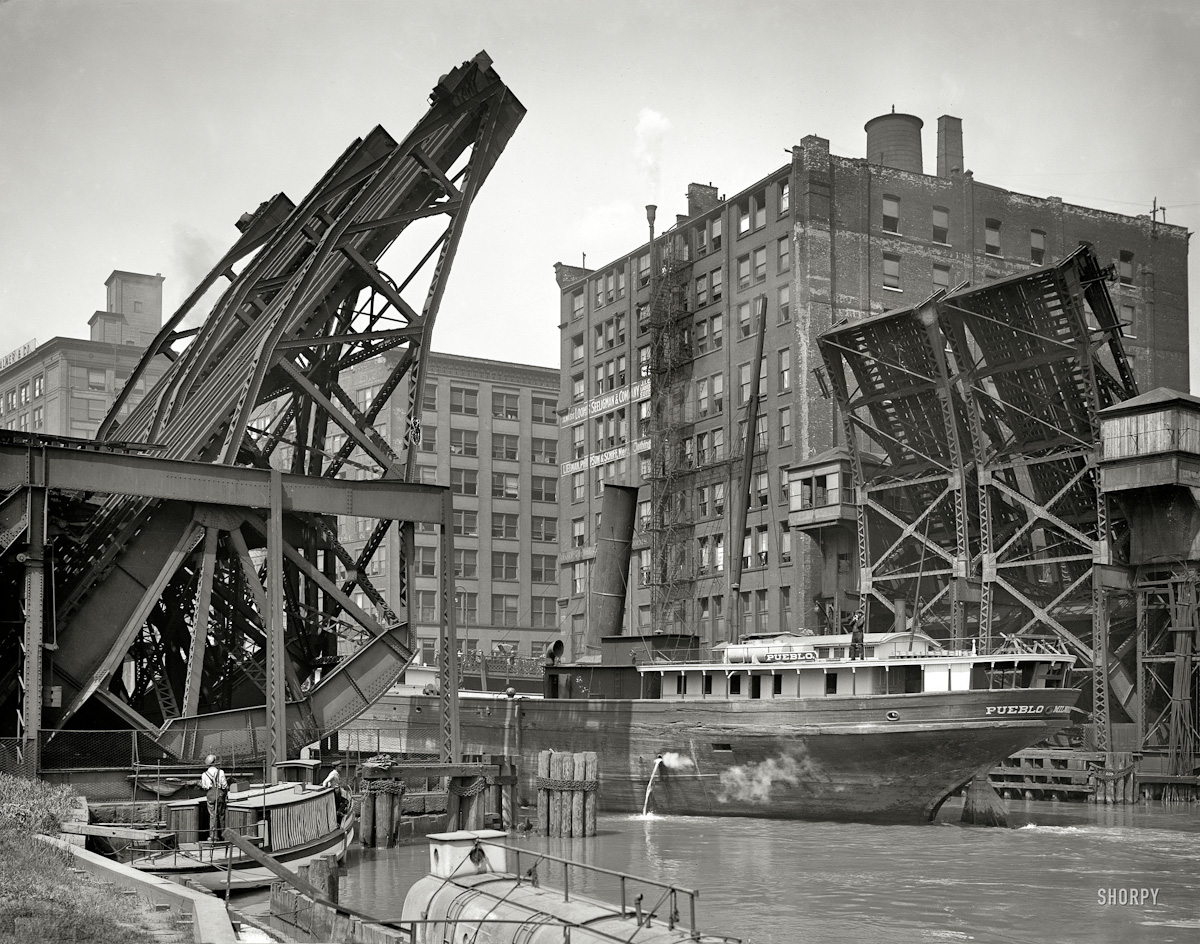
977, 425
183, 575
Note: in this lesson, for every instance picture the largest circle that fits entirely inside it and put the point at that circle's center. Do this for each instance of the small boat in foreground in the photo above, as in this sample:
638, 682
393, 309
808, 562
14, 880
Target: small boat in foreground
293, 822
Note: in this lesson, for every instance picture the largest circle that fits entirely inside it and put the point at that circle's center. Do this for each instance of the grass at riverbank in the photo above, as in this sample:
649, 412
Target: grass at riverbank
41, 899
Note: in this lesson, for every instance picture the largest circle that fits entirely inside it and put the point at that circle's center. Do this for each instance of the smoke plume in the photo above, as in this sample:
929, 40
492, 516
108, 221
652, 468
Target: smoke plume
752, 783
649, 139
674, 761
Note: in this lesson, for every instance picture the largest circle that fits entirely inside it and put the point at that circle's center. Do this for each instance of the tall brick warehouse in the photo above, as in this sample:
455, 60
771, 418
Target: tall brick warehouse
824, 238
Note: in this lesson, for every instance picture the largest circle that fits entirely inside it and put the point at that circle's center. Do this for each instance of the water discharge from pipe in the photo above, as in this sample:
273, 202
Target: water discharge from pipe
650, 783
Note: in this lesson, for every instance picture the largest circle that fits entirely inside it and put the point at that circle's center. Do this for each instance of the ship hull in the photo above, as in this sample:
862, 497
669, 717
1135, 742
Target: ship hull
876, 758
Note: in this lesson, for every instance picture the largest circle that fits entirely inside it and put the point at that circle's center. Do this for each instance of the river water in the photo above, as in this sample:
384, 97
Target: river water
1047, 878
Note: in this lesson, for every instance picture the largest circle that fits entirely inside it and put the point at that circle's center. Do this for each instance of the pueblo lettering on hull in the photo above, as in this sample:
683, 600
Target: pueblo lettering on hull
1027, 709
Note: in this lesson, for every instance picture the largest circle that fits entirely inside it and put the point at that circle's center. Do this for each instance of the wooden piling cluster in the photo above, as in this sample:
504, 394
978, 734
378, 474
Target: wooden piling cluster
380, 811
567, 791
1116, 782
476, 796
322, 874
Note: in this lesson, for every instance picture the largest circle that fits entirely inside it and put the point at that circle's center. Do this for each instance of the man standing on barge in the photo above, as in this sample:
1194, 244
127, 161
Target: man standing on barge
216, 789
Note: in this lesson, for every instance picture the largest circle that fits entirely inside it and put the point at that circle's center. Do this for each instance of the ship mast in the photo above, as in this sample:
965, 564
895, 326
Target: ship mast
741, 505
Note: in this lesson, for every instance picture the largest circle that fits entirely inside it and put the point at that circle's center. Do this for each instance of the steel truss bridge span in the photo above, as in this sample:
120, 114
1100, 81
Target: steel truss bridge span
979, 507
172, 612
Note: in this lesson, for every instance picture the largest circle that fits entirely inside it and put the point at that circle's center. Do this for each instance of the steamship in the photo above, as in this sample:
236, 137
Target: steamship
779, 725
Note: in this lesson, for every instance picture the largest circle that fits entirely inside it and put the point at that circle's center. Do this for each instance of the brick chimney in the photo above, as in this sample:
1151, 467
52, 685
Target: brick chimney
950, 146
701, 198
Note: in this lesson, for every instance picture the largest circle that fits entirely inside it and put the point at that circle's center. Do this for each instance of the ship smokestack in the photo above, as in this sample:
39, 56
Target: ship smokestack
610, 573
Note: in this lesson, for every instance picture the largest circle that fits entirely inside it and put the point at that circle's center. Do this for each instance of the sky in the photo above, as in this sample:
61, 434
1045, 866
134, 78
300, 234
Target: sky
134, 133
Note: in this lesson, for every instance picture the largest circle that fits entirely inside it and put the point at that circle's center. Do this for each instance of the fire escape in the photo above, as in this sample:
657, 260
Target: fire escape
670, 427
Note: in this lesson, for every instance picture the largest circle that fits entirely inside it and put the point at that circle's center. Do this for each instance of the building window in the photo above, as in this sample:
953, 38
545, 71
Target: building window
785, 369
544, 529
716, 234
577, 304
620, 283
1037, 246
545, 409
941, 276
760, 263
464, 400
577, 349
1128, 321
785, 253
941, 225
504, 565
464, 481
716, 335
743, 384
426, 601
544, 488
504, 406
428, 439
701, 291
1125, 268
427, 474
545, 450
578, 532
23, 397
891, 271
464, 442
504, 446
542, 615
504, 609
466, 608
785, 197
785, 542
760, 210
429, 396
38, 417
504, 526
578, 486
743, 217
743, 312
466, 523
579, 577
425, 561
466, 562
543, 568
38, 386
644, 270
891, 214
716, 283
743, 271
95, 379
644, 361
785, 304
505, 485
578, 389
785, 426
991, 237
762, 489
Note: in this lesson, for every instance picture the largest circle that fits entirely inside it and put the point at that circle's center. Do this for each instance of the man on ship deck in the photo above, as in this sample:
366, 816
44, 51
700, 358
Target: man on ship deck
857, 648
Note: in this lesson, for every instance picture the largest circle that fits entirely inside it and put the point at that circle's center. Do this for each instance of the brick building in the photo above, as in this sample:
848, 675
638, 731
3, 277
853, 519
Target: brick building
823, 238
489, 431
65, 386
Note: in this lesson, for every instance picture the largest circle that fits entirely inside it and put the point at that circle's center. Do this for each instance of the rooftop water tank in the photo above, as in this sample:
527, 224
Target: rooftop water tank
894, 140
